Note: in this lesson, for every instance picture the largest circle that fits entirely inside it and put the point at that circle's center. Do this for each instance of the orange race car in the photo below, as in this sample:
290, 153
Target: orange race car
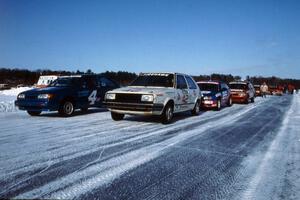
242, 92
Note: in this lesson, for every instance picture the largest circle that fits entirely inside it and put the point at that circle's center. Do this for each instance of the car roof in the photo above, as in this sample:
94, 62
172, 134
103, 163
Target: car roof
80, 75
175, 73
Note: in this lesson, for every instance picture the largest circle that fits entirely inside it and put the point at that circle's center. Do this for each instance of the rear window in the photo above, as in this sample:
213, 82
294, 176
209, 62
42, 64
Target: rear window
238, 86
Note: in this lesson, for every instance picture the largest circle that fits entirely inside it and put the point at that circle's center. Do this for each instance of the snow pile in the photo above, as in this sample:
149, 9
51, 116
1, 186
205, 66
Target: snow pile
7, 98
14, 91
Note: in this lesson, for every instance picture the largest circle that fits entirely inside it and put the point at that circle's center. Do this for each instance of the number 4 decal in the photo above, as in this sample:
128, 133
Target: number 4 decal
92, 98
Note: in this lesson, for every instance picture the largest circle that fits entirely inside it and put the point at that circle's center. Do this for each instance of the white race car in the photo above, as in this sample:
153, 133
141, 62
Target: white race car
155, 94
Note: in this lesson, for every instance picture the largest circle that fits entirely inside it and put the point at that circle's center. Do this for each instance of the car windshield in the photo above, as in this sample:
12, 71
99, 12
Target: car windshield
63, 82
164, 80
208, 87
239, 86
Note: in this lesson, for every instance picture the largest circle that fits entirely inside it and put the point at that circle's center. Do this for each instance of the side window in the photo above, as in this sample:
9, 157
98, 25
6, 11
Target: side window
190, 82
104, 82
181, 83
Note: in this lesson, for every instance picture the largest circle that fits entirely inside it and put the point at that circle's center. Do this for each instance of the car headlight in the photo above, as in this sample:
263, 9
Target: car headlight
21, 96
110, 96
45, 96
147, 97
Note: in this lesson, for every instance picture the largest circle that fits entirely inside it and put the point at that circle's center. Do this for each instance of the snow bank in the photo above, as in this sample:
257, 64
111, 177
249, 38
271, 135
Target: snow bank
14, 91
7, 98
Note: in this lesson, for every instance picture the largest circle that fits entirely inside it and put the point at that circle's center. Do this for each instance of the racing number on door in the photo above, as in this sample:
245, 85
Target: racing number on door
93, 97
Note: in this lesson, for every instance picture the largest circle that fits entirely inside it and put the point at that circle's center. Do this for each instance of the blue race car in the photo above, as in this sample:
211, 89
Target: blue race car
66, 94
215, 94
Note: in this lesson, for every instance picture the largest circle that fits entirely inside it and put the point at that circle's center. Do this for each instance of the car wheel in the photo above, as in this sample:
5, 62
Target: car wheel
229, 103
167, 115
117, 116
66, 109
34, 113
218, 105
196, 109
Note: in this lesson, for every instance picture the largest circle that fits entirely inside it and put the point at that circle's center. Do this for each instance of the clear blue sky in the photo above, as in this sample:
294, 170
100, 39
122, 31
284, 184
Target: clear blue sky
241, 37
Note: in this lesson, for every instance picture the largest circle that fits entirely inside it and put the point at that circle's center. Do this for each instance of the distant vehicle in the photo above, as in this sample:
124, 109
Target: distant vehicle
66, 94
272, 89
160, 94
215, 94
21, 85
4, 86
46, 80
242, 92
291, 89
277, 92
257, 90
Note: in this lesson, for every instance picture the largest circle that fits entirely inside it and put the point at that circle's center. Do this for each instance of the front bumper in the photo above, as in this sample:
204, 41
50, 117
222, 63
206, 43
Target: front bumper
209, 103
135, 108
36, 105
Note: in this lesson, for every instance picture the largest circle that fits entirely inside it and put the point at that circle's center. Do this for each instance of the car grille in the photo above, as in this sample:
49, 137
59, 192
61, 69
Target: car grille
128, 98
30, 97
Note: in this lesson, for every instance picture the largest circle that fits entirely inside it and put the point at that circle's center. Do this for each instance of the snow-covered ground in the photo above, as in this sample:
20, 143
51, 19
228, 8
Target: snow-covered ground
241, 152
7, 98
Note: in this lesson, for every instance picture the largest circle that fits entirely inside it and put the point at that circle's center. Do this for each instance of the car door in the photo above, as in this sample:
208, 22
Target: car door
193, 91
224, 93
83, 92
182, 94
88, 93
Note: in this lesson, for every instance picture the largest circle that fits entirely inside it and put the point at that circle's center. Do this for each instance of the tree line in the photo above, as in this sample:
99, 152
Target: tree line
16, 76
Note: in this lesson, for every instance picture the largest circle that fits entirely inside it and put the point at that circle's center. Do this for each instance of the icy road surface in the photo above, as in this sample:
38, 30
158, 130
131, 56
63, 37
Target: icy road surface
242, 152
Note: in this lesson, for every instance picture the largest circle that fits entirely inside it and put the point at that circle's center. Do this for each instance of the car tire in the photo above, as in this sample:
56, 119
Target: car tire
218, 105
117, 116
66, 109
34, 113
229, 103
167, 114
196, 109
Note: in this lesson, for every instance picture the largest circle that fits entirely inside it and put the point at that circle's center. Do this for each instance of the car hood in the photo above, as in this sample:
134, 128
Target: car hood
46, 90
141, 90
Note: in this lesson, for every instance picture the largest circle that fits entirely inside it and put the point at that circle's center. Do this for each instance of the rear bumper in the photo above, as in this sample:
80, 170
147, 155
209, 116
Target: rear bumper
238, 99
135, 108
36, 105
